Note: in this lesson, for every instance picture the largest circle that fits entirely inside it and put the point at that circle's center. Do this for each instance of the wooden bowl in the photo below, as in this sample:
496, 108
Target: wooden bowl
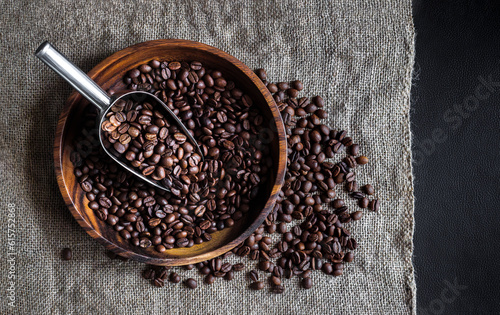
108, 74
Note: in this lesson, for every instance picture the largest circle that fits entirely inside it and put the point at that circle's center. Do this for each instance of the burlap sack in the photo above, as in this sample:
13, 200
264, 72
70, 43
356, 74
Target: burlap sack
357, 54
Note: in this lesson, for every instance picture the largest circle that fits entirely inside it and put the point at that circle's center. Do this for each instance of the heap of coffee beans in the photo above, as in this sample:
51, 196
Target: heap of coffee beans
307, 229
205, 196
142, 135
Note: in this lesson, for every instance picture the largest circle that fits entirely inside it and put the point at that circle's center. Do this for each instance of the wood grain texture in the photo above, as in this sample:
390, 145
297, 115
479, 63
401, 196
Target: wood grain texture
108, 75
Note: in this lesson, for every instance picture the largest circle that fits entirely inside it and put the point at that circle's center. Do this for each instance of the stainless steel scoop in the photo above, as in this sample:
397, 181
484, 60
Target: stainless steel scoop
103, 102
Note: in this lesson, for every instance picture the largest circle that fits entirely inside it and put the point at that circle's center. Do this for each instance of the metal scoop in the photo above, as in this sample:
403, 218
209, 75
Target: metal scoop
103, 102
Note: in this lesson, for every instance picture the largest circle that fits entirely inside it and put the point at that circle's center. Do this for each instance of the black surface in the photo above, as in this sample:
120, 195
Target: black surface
457, 175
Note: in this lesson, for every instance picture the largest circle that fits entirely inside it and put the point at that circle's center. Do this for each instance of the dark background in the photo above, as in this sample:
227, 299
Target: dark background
456, 123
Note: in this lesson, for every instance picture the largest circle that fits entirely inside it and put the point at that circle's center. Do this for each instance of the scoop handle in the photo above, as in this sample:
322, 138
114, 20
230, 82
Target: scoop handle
73, 75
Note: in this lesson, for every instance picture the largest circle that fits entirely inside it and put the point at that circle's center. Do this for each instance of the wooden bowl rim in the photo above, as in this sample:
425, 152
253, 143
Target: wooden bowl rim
278, 183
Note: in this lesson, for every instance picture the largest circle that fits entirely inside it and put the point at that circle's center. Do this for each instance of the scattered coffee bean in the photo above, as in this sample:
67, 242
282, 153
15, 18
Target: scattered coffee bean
374, 205
66, 254
297, 85
238, 267
361, 160
363, 202
356, 215
229, 275
327, 268
306, 274
158, 282
209, 279
275, 280
264, 265
338, 203
306, 283
254, 276
191, 283
354, 149
261, 73
174, 278
259, 285
349, 257
368, 189
148, 274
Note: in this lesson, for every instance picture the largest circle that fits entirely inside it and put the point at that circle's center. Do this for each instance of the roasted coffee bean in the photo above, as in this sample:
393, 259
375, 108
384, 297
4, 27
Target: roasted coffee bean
327, 268
349, 257
229, 275
338, 203
357, 195
273, 88
283, 86
282, 228
134, 73
205, 270
278, 271
258, 285
145, 242
297, 85
264, 265
174, 278
94, 205
352, 187
356, 215
354, 149
361, 160
292, 92
145, 68
374, 205
209, 279
174, 65
182, 242
368, 189
196, 65
261, 73
306, 283
191, 283
112, 219
148, 274
216, 264
226, 267
306, 274
158, 283
238, 267
350, 161
66, 254
350, 177
275, 280
254, 276
155, 63
363, 202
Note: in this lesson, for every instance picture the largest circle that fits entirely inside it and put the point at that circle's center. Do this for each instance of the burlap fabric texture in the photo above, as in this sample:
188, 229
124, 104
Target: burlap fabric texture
357, 54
